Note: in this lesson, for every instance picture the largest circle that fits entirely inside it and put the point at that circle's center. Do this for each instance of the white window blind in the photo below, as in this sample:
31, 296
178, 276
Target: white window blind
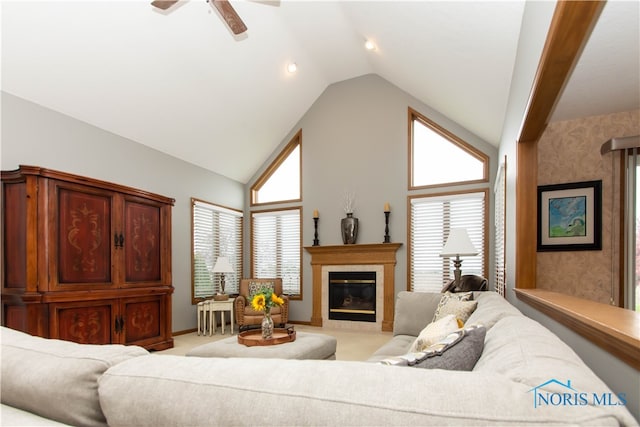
500, 192
276, 247
217, 231
432, 217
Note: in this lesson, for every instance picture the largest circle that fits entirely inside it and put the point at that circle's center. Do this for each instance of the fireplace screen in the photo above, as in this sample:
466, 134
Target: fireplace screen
352, 295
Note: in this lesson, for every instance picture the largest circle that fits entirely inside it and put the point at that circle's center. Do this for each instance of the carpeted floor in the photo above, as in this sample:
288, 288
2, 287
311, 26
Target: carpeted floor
352, 345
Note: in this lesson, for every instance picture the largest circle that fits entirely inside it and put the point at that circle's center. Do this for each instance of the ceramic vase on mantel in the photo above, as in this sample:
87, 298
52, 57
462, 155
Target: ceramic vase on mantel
267, 326
349, 229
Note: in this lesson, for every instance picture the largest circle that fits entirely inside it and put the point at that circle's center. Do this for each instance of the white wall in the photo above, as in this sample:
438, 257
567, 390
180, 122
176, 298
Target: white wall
620, 377
33, 135
354, 137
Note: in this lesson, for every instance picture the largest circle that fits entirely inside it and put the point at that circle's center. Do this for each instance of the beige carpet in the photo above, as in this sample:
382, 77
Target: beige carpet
352, 345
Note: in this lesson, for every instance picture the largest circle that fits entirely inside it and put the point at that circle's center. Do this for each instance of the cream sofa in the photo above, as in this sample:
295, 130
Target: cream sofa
49, 381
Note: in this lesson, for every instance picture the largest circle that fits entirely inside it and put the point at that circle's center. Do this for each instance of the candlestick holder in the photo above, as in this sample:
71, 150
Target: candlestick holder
316, 242
387, 238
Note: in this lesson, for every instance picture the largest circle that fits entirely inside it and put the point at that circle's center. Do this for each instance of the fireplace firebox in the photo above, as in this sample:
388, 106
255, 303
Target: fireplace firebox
352, 295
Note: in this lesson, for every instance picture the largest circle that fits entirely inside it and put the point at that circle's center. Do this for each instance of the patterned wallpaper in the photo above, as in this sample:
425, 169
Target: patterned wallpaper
569, 151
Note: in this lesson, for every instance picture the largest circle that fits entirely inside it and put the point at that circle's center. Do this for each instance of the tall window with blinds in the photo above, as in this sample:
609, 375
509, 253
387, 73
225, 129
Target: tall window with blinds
217, 231
276, 248
500, 192
432, 218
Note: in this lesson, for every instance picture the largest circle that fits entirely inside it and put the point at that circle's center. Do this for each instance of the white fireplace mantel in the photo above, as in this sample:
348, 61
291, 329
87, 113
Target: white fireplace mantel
383, 254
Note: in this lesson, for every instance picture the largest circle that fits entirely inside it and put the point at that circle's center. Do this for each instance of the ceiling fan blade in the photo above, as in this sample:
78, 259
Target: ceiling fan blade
163, 4
230, 16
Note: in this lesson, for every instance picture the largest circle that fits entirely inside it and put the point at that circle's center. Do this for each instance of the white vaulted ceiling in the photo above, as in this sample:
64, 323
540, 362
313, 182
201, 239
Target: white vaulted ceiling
180, 82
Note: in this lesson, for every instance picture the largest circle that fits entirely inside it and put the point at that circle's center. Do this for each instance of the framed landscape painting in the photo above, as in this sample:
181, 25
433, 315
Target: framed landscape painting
570, 216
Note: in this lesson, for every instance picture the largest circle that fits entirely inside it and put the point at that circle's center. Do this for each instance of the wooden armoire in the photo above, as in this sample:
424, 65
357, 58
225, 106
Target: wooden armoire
85, 260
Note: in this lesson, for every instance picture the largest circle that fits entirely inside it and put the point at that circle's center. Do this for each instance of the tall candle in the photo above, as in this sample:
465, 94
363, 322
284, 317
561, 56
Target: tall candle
315, 213
387, 208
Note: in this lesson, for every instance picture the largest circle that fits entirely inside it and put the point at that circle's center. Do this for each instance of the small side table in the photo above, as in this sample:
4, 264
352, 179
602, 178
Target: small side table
203, 315
220, 306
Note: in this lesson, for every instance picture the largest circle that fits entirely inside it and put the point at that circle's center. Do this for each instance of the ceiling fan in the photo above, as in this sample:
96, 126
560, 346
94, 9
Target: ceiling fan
223, 6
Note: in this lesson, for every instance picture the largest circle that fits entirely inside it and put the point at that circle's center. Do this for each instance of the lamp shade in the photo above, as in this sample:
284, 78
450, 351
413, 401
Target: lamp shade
223, 265
458, 244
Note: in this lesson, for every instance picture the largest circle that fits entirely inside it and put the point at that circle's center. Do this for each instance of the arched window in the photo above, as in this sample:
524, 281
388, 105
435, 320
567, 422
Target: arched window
281, 181
438, 157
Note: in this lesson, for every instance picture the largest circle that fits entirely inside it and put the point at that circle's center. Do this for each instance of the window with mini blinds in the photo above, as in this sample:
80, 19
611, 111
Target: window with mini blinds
440, 159
276, 248
217, 231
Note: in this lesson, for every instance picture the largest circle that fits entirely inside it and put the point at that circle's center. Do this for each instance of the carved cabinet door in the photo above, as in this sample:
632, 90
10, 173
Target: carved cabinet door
83, 232
143, 319
144, 242
84, 322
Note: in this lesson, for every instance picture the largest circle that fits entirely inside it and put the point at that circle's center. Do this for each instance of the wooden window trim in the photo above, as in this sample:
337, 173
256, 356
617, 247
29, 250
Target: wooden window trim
459, 142
614, 329
295, 142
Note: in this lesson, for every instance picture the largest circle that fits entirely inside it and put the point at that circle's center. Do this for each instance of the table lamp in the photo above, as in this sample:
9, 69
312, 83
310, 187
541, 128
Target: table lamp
458, 244
222, 266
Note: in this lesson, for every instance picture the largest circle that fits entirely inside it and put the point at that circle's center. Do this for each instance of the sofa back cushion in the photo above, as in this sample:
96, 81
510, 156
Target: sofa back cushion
521, 349
491, 308
204, 391
57, 379
414, 310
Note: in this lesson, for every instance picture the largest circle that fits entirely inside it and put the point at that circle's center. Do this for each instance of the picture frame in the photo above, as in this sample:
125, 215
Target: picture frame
570, 216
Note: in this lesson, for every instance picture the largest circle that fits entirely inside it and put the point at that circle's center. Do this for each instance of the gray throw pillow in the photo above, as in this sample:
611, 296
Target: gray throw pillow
459, 354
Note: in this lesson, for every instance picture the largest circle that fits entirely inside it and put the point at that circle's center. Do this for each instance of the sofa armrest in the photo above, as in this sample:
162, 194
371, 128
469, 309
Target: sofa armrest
240, 303
285, 308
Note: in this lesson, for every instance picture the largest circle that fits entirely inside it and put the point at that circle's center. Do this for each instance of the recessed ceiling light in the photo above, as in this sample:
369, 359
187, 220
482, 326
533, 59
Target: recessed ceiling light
369, 45
292, 67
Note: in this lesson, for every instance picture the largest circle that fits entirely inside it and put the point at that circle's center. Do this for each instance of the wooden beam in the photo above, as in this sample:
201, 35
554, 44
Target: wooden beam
570, 28
569, 31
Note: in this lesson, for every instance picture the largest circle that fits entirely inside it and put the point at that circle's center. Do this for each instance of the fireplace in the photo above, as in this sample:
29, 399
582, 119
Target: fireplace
378, 257
352, 295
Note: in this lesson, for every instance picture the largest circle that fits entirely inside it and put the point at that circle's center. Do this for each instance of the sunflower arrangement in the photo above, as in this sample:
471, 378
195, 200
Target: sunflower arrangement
264, 299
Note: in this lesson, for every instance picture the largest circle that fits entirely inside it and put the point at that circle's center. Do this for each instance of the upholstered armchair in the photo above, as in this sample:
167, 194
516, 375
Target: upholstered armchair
247, 316
468, 282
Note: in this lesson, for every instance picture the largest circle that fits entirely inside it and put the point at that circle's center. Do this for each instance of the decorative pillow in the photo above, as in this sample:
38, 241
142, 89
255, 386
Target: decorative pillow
461, 296
451, 304
458, 351
256, 287
433, 332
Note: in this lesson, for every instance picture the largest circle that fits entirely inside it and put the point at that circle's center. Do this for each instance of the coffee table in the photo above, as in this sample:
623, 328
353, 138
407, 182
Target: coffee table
306, 346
